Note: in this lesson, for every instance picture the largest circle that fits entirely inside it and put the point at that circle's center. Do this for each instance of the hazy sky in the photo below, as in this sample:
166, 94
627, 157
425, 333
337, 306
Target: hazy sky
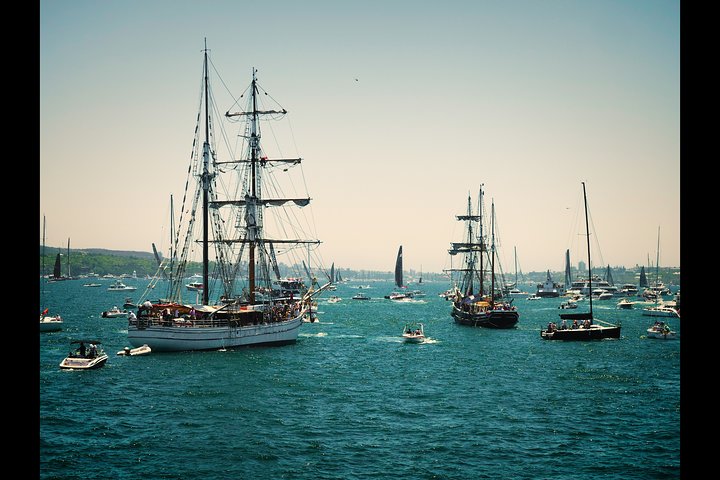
528, 97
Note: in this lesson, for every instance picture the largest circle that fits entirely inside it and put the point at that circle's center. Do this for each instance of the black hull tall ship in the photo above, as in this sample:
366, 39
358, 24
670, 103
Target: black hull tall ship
478, 298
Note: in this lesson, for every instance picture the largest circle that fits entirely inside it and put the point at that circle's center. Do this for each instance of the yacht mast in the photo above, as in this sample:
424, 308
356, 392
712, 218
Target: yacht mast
587, 231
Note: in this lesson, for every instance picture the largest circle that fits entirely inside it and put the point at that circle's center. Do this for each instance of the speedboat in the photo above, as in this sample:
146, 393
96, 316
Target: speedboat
311, 311
85, 358
400, 296
119, 286
194, 286
661, 330
334, 299
360, 296
570, 303
115, 312
414, 332
134, 352
625, 304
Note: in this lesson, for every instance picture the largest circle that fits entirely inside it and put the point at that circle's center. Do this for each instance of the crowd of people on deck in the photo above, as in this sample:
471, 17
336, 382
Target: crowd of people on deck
552, 326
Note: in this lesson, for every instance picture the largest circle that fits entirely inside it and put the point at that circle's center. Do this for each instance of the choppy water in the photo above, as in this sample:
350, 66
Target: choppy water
350, 401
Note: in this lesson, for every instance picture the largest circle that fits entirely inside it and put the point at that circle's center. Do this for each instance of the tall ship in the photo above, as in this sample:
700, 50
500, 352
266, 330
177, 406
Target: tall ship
235, 212
478, 298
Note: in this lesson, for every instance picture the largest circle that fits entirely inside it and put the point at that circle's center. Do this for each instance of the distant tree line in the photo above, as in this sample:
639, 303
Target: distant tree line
116, 262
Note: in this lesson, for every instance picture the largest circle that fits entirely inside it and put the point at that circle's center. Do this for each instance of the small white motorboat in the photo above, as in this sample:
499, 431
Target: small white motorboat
569, 304
625, 304
660, 311
661, 330
115, 312
414, 332
134, 352
50, 323
85, 358
119, 286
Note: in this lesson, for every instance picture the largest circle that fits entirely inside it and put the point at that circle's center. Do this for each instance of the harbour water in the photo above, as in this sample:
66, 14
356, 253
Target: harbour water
350, 400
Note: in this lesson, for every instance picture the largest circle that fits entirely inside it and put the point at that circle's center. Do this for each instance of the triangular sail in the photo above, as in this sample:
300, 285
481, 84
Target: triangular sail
608, 276
399, 269
568, 274
643, 278
57, 270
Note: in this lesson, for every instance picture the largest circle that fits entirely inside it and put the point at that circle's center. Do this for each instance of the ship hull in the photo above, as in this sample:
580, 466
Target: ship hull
162, 338
490, 319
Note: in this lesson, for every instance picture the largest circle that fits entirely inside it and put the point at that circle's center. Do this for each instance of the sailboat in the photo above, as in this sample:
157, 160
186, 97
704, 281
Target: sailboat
399, 295
474, 302
590, 329
642, 283
656, 291
658, 288
57, 275
238, 209
48, 323
513, 290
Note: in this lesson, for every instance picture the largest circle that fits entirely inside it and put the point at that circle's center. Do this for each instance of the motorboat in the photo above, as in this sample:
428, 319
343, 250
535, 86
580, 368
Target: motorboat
134, 352
601, 294
549, 288
311, 311
569, 304
625, 304
334, 299
414, 332
534, 296
360, 296
129, 303
629, 290
119, 286
85, 358
115, 312
660, 310
194, 286
50, 323
661, 330
400, 296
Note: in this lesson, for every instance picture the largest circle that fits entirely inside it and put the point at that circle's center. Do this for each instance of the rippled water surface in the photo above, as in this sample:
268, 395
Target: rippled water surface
350, 400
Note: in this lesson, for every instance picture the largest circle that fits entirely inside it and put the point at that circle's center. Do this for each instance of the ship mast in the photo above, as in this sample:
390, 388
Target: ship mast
206, 183
482, 239
252, 201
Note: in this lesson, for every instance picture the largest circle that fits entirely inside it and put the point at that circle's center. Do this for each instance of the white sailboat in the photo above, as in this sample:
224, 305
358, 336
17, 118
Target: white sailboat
238, 209
48, 323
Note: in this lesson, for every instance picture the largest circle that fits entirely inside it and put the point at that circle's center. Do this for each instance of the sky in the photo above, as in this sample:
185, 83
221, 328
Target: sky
400, 109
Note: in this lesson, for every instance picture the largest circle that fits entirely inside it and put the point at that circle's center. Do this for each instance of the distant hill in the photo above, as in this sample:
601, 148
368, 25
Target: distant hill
101, 261
117, 253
